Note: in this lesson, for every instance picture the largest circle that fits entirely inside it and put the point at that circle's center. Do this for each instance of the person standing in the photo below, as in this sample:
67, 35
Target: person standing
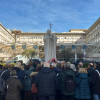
68, 83
58, 71
95, 82
33, 76
45, 82
27, 83
14, 87
82, 85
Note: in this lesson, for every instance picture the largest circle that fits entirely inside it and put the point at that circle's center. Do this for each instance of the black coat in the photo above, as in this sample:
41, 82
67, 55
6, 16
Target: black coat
58, 72
6, 74
20, 73
95, 82
45, 81
90, 70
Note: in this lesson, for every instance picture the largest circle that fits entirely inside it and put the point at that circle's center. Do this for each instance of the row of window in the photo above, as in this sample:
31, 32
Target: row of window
31, 37
42, 37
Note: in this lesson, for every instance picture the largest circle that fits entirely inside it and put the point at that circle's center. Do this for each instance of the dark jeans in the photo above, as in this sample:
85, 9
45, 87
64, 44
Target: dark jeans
27, 95
46, 97
68, 97
2, 96
34, 96
22, 94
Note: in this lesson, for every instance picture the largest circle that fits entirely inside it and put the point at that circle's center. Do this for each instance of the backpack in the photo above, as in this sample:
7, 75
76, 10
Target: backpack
70, 83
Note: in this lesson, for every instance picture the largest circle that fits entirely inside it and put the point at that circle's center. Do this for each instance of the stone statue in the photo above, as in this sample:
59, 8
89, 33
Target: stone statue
50, 45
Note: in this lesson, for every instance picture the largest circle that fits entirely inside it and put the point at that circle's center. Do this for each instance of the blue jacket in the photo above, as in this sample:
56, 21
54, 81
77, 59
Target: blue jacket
27, 80
82, 86
20, 73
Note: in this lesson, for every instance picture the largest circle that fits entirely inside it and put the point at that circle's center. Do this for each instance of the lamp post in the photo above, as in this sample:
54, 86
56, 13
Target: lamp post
84, 52
74, 50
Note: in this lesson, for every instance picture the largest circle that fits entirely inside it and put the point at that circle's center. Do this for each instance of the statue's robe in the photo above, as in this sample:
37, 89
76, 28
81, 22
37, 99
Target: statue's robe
50, 46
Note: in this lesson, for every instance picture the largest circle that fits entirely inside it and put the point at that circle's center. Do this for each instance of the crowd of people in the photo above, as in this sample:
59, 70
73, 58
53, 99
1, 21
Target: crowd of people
55, 80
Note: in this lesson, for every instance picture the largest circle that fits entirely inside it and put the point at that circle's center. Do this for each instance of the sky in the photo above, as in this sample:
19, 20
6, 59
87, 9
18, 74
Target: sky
36, 15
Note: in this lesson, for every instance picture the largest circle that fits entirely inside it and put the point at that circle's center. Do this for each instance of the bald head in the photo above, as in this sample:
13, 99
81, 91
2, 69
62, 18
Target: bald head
46, 64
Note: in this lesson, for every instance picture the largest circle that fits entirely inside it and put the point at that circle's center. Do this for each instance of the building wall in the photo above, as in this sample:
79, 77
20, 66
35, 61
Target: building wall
5, 36
93, 38
93, 33
62, 37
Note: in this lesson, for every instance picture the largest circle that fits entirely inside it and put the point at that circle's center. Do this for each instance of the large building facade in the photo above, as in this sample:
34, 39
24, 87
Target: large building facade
79, 37
5, 38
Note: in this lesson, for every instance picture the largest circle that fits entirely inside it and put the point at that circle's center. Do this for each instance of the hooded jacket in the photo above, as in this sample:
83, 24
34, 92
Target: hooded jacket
82, 89
70, 72
27, 80
45, 82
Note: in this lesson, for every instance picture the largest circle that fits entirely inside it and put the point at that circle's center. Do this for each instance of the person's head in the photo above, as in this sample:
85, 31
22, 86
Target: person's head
42, 63
67, 65
47, 64
21, 62
27, 67
36, 61
91, 64
38, 67
23, 66
30, 63
72, 66
11, 66
13, 73
80, 65
58, 65
53, 65
18, 65
5, 67
62, 64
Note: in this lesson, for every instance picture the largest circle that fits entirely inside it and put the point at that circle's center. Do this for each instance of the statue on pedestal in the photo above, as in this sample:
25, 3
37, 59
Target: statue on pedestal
50, 40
